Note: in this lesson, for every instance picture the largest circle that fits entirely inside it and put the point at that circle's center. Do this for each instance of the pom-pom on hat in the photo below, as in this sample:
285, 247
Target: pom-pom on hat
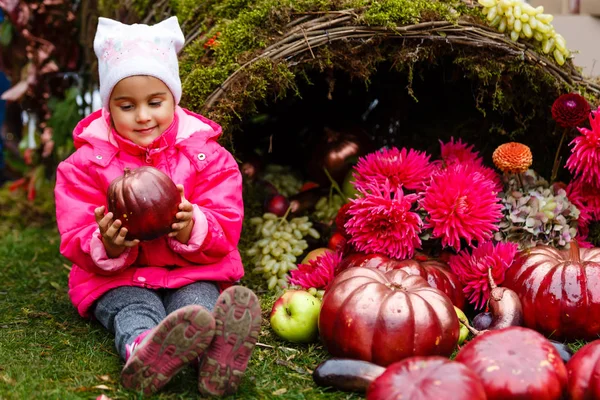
138, 49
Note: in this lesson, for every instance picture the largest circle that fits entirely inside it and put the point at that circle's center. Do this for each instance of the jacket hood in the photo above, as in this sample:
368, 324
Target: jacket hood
96, 129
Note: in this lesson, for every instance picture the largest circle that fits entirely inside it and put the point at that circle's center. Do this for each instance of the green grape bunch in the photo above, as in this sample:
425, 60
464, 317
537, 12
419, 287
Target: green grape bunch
284, 180
327, 208
523, 21
318, 293
281, 242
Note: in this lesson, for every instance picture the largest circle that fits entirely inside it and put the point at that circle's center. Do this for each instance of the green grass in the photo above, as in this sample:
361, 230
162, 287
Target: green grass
48, 352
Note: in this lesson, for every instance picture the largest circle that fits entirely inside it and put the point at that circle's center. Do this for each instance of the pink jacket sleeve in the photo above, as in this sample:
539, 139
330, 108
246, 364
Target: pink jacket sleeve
77, 195
218, 212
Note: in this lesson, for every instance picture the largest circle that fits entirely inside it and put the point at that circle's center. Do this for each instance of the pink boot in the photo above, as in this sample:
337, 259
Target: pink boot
238, 318
160, 353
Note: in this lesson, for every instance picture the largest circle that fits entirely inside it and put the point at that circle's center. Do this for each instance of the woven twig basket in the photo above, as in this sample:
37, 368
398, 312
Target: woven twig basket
310, 31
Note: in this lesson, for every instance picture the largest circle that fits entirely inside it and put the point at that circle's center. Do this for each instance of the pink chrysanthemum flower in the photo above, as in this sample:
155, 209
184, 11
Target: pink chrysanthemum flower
458, 152
585, 153
462, 204
461, 153
486, 172
382, 222
472, 268
318, 273
578, 196
410, 169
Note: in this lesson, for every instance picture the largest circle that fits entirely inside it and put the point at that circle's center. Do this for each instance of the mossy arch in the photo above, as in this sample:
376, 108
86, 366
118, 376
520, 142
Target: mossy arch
247, 58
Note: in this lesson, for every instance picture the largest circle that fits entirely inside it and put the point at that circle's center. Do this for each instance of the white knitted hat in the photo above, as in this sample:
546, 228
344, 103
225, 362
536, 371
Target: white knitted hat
138, 49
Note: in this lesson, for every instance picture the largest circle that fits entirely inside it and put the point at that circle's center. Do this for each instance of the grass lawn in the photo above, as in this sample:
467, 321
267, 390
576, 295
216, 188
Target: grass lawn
48, 352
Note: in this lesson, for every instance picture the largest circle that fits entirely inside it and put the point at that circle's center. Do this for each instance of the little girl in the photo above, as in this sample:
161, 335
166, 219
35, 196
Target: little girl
163, 299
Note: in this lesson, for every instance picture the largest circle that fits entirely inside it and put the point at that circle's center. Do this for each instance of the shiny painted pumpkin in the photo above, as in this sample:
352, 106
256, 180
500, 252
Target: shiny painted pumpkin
559, 291
145, 200
516, 363
426, 378
436, 273
383, 317
584, 373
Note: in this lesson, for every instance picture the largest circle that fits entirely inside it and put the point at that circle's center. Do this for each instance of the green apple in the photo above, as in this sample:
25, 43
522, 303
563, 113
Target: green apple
295, 316
314, 254
348, 185
464, 332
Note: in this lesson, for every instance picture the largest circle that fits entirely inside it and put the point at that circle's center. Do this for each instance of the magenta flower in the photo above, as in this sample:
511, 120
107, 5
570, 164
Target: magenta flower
461, 153
585, 153
587, 203
318, 273
382, 222
462, 204
472, 268
410, 169
458, 152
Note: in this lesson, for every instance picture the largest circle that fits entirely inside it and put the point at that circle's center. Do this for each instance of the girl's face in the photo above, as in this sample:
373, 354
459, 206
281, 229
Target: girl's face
141, 108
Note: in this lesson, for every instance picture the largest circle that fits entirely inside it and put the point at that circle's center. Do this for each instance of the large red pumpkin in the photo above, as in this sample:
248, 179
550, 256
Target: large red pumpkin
516, 363
584, 373
436, 273
426, 378
383, 317
145, 200
559, 291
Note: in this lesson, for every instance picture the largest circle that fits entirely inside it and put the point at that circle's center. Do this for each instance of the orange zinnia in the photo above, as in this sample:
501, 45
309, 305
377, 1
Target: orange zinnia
512, 157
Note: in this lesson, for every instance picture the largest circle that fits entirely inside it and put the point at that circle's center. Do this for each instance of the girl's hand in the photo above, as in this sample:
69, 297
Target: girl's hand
113, 235
182, 229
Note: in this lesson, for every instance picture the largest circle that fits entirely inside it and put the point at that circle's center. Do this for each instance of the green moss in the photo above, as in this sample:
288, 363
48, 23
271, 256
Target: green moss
239, 30
201, 82
394, 12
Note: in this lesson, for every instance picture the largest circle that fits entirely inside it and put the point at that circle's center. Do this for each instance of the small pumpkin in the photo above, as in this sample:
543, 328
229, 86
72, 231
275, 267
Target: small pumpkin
436, 273
383, 317
426, 378
516, 363
584, 373
559, 291
145, 200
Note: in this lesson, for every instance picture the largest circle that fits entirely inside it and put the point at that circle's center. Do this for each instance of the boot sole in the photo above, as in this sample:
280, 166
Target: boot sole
238, 319
177, 340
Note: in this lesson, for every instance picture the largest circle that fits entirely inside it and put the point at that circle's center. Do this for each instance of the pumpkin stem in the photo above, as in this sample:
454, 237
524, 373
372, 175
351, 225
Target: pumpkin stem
574, 251
491, 279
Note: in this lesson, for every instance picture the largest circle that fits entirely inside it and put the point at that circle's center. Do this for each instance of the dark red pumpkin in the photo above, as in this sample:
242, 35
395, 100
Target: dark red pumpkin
426, 378
516, 363
366, 261
436, 273
145, 200
584, 373
559, 291
383, 317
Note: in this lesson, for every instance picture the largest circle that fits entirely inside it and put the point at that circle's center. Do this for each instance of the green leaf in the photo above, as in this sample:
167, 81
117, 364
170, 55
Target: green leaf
6, 33
65, 115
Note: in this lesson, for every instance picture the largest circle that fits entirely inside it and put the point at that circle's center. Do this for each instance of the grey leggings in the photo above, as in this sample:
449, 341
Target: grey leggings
127, 311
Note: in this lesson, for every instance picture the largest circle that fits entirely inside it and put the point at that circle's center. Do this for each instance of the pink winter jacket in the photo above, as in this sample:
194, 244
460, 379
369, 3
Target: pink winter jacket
188, 152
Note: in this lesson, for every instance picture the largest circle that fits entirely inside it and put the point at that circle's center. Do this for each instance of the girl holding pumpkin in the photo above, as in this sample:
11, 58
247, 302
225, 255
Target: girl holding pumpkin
168, 301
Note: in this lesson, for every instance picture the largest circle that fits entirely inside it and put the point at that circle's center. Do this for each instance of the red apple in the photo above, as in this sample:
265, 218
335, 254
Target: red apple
584, 372
516, 363
309, 185
277, 204
426, 378
336, 241
295, 316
